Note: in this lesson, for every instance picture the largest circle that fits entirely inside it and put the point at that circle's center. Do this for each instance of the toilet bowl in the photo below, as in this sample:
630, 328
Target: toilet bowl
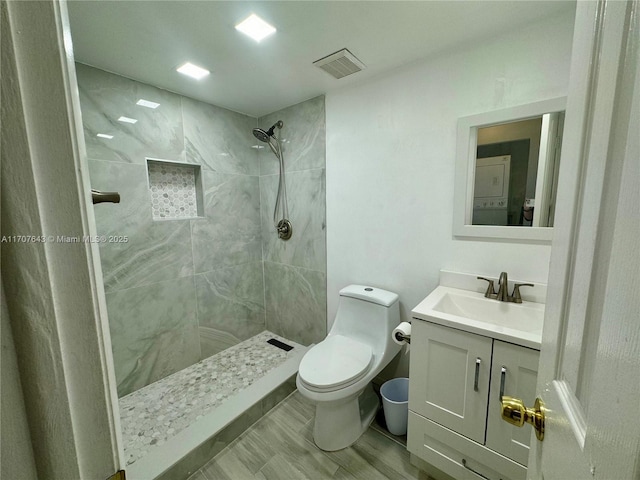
336, 373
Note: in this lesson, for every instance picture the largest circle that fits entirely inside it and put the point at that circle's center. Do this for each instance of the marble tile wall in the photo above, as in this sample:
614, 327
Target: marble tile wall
177, 290
296, 300
155, 251
295, 270
153, 331
230, 306
229, 233
106, 97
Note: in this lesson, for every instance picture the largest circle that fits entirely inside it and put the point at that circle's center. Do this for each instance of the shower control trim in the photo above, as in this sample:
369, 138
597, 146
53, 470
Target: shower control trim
285, 229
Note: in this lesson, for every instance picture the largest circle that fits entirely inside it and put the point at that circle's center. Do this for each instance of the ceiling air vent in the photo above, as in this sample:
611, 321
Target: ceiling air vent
340, 64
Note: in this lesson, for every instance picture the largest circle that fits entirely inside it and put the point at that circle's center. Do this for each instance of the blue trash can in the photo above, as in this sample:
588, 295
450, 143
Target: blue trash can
395, 403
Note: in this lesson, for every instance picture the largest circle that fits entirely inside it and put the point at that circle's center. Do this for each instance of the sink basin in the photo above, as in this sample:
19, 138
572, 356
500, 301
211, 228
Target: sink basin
471, 311
526, 317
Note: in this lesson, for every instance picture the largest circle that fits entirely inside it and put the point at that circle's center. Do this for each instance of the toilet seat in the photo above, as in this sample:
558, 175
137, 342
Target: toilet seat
334, 363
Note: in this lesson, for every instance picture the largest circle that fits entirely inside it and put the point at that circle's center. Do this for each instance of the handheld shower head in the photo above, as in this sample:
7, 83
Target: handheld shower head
283, 226
263, 136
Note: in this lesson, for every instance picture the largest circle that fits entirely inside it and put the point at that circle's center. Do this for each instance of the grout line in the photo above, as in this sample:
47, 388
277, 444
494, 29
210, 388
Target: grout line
294, 171
195, 286
204, 214
228, 266
118, 162
195, 314
208, 169
184, 137
148, 284
262, 252
297, 266
264, 295
183, 277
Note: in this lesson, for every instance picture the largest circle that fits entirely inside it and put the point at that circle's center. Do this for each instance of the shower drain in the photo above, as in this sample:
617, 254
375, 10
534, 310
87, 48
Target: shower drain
279, 344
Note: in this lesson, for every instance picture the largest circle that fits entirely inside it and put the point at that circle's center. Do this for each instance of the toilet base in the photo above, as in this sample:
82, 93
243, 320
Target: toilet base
339, 424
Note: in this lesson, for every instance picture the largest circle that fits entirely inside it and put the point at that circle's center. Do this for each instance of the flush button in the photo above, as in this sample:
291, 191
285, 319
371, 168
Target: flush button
368, 289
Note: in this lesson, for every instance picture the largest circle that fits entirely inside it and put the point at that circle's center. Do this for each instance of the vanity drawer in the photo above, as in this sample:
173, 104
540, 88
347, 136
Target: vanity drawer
442, 448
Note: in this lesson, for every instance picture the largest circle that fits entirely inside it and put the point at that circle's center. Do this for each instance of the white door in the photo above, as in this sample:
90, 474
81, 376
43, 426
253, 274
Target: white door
589, 376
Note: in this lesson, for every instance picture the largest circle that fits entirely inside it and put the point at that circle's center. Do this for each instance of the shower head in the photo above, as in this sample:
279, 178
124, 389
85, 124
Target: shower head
263, 136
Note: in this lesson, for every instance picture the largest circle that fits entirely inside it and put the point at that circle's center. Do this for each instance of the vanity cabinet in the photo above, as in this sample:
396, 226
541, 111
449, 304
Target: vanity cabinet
456, 380
449, 378
514, 371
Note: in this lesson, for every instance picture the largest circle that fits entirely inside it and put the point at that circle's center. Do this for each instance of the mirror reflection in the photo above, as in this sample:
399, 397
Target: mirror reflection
516, 172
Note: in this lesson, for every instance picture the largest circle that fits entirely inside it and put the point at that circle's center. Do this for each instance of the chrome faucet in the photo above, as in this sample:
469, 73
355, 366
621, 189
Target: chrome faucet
502, 295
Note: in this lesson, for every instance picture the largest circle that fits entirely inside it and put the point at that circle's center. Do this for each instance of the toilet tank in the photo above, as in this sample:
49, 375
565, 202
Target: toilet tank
367, 313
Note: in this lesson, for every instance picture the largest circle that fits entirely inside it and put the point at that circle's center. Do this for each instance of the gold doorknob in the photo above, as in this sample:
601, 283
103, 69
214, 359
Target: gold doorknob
515, 413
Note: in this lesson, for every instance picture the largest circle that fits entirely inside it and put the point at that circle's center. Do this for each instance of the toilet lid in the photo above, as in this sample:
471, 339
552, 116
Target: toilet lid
334, 362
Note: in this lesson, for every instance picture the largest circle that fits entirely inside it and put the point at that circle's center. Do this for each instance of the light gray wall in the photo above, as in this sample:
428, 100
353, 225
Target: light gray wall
295, 270
391, 157
16, 451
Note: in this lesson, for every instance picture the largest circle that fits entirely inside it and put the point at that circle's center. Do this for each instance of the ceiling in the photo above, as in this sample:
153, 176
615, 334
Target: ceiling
148, 40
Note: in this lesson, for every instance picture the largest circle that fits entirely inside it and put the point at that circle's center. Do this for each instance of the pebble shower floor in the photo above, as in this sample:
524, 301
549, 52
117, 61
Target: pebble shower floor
155, 413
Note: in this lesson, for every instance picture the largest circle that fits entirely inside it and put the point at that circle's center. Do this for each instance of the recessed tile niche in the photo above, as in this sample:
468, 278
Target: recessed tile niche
176, 190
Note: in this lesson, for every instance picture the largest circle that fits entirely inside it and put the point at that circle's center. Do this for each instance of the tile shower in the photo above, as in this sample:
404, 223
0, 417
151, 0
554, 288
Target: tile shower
203, 269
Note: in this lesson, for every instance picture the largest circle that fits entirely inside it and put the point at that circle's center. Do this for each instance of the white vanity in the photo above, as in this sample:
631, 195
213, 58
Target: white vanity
466, 352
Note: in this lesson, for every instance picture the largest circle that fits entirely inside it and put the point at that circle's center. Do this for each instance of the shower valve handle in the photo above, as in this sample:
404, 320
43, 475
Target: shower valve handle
285, 229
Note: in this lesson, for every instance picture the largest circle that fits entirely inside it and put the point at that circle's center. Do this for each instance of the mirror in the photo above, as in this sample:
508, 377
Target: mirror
507, 171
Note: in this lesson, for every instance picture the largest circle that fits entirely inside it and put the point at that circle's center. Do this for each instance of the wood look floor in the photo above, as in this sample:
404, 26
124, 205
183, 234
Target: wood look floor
280, 447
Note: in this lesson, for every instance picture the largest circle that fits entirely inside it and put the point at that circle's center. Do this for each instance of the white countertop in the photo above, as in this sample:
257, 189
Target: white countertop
520, 324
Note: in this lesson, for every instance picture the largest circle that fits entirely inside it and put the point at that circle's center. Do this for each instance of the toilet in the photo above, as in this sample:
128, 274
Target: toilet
336, 373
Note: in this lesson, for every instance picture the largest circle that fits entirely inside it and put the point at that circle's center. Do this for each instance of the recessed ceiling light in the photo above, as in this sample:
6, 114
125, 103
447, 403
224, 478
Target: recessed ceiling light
146, 103
257, 147
104, 135
193, 71
127, 120
255, 27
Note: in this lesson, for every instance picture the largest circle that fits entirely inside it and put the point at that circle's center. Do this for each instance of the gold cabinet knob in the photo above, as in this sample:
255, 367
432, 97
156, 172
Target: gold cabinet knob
515, 413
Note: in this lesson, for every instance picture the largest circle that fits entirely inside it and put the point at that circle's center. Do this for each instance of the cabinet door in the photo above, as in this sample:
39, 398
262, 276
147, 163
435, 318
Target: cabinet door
449, 373
516, 368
